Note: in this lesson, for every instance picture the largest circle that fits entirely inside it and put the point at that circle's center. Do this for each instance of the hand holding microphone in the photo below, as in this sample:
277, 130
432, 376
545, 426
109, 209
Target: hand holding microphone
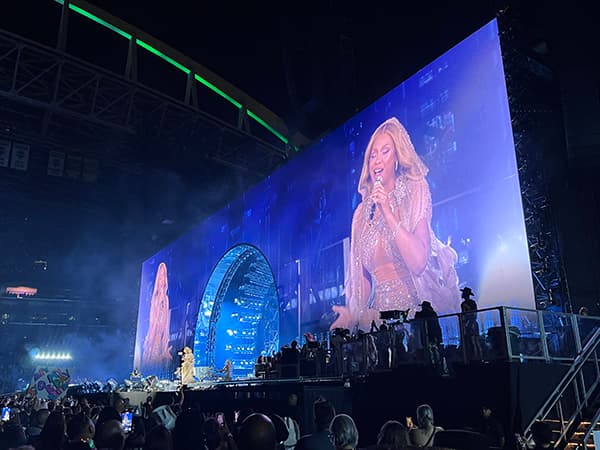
376, 186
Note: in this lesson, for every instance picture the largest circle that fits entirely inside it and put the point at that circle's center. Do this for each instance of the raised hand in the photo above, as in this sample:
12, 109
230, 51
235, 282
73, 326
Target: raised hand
344, 320
380, 197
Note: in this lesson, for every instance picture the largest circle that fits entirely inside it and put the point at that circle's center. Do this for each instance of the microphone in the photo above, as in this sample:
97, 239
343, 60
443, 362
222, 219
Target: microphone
374, 205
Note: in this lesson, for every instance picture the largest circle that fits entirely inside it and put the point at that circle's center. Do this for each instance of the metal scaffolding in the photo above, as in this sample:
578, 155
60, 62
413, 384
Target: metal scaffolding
57, 100
532, 92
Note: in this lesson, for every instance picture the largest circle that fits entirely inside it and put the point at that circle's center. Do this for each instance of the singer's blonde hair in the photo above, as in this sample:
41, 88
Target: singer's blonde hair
406, 156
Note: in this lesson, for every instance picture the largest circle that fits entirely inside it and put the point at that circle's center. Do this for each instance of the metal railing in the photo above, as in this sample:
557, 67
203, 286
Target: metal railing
492, 334
518, 334
572, 394
588, 433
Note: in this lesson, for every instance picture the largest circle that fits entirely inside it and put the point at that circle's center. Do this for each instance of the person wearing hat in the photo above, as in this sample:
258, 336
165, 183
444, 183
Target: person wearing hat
470, 326
430, 331
466, 294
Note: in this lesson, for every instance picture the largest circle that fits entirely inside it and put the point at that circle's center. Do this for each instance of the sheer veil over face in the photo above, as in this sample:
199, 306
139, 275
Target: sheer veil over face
156, 344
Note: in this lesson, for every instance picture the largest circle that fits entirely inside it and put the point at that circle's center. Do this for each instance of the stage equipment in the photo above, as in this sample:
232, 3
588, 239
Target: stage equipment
242, 284
394, 315
534, 101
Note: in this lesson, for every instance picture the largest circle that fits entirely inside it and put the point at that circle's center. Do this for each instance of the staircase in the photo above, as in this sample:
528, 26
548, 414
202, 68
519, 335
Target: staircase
573, 408
582, 438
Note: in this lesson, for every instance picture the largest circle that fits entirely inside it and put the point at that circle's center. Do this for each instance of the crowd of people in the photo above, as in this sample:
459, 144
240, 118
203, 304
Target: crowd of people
81, 424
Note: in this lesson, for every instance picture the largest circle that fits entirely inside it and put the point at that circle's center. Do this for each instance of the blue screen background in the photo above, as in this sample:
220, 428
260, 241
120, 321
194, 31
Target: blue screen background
456, 113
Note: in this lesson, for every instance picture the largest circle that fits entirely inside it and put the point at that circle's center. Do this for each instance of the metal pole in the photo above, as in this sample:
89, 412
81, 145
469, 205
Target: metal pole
61, 42
576, 336
505, 327
131, 66
462, 337
298, 268
543, 336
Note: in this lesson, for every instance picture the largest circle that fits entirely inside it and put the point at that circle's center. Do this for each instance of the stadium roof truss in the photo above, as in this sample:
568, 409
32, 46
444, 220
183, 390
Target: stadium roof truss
45, 83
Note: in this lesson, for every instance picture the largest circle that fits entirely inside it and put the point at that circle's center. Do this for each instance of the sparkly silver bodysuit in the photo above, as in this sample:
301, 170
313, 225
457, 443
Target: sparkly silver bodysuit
379, 278
392, 283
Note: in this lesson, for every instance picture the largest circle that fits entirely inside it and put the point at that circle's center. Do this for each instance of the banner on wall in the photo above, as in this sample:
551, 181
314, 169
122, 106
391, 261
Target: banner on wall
50, 383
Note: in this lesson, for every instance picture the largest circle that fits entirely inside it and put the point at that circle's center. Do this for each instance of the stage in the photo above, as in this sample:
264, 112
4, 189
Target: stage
511, 389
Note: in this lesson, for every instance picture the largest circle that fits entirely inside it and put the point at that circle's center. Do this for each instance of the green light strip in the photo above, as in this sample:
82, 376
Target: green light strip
181, 67
216, 90
96, 19
267, 126
163, 56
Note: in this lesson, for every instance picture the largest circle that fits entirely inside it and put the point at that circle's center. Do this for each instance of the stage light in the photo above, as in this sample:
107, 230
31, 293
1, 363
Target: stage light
21, 291
54, 356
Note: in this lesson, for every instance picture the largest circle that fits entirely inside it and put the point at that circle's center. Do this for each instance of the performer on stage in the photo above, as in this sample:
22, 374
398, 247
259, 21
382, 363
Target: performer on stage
187, 366
227, 370
396, 261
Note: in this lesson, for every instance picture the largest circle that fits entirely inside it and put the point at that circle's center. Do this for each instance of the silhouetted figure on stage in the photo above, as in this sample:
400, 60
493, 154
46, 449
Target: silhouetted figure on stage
227, 370
397, 333
338, 338
430, 332
468, 302
295, 350
472, 341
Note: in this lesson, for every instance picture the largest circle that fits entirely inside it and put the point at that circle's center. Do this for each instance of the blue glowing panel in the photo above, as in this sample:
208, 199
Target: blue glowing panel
411, 199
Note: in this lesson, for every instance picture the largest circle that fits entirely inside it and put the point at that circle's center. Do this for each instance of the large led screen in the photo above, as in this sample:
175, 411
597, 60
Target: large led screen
410, 200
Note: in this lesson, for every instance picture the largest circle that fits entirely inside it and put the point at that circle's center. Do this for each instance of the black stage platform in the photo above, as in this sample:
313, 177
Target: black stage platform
513, 390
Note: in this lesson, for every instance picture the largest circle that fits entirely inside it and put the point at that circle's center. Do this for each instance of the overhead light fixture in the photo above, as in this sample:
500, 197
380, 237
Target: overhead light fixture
53, 356
21, 291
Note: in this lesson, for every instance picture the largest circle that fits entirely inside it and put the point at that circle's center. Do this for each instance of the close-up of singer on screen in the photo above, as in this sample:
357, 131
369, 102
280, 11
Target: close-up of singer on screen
396, 261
